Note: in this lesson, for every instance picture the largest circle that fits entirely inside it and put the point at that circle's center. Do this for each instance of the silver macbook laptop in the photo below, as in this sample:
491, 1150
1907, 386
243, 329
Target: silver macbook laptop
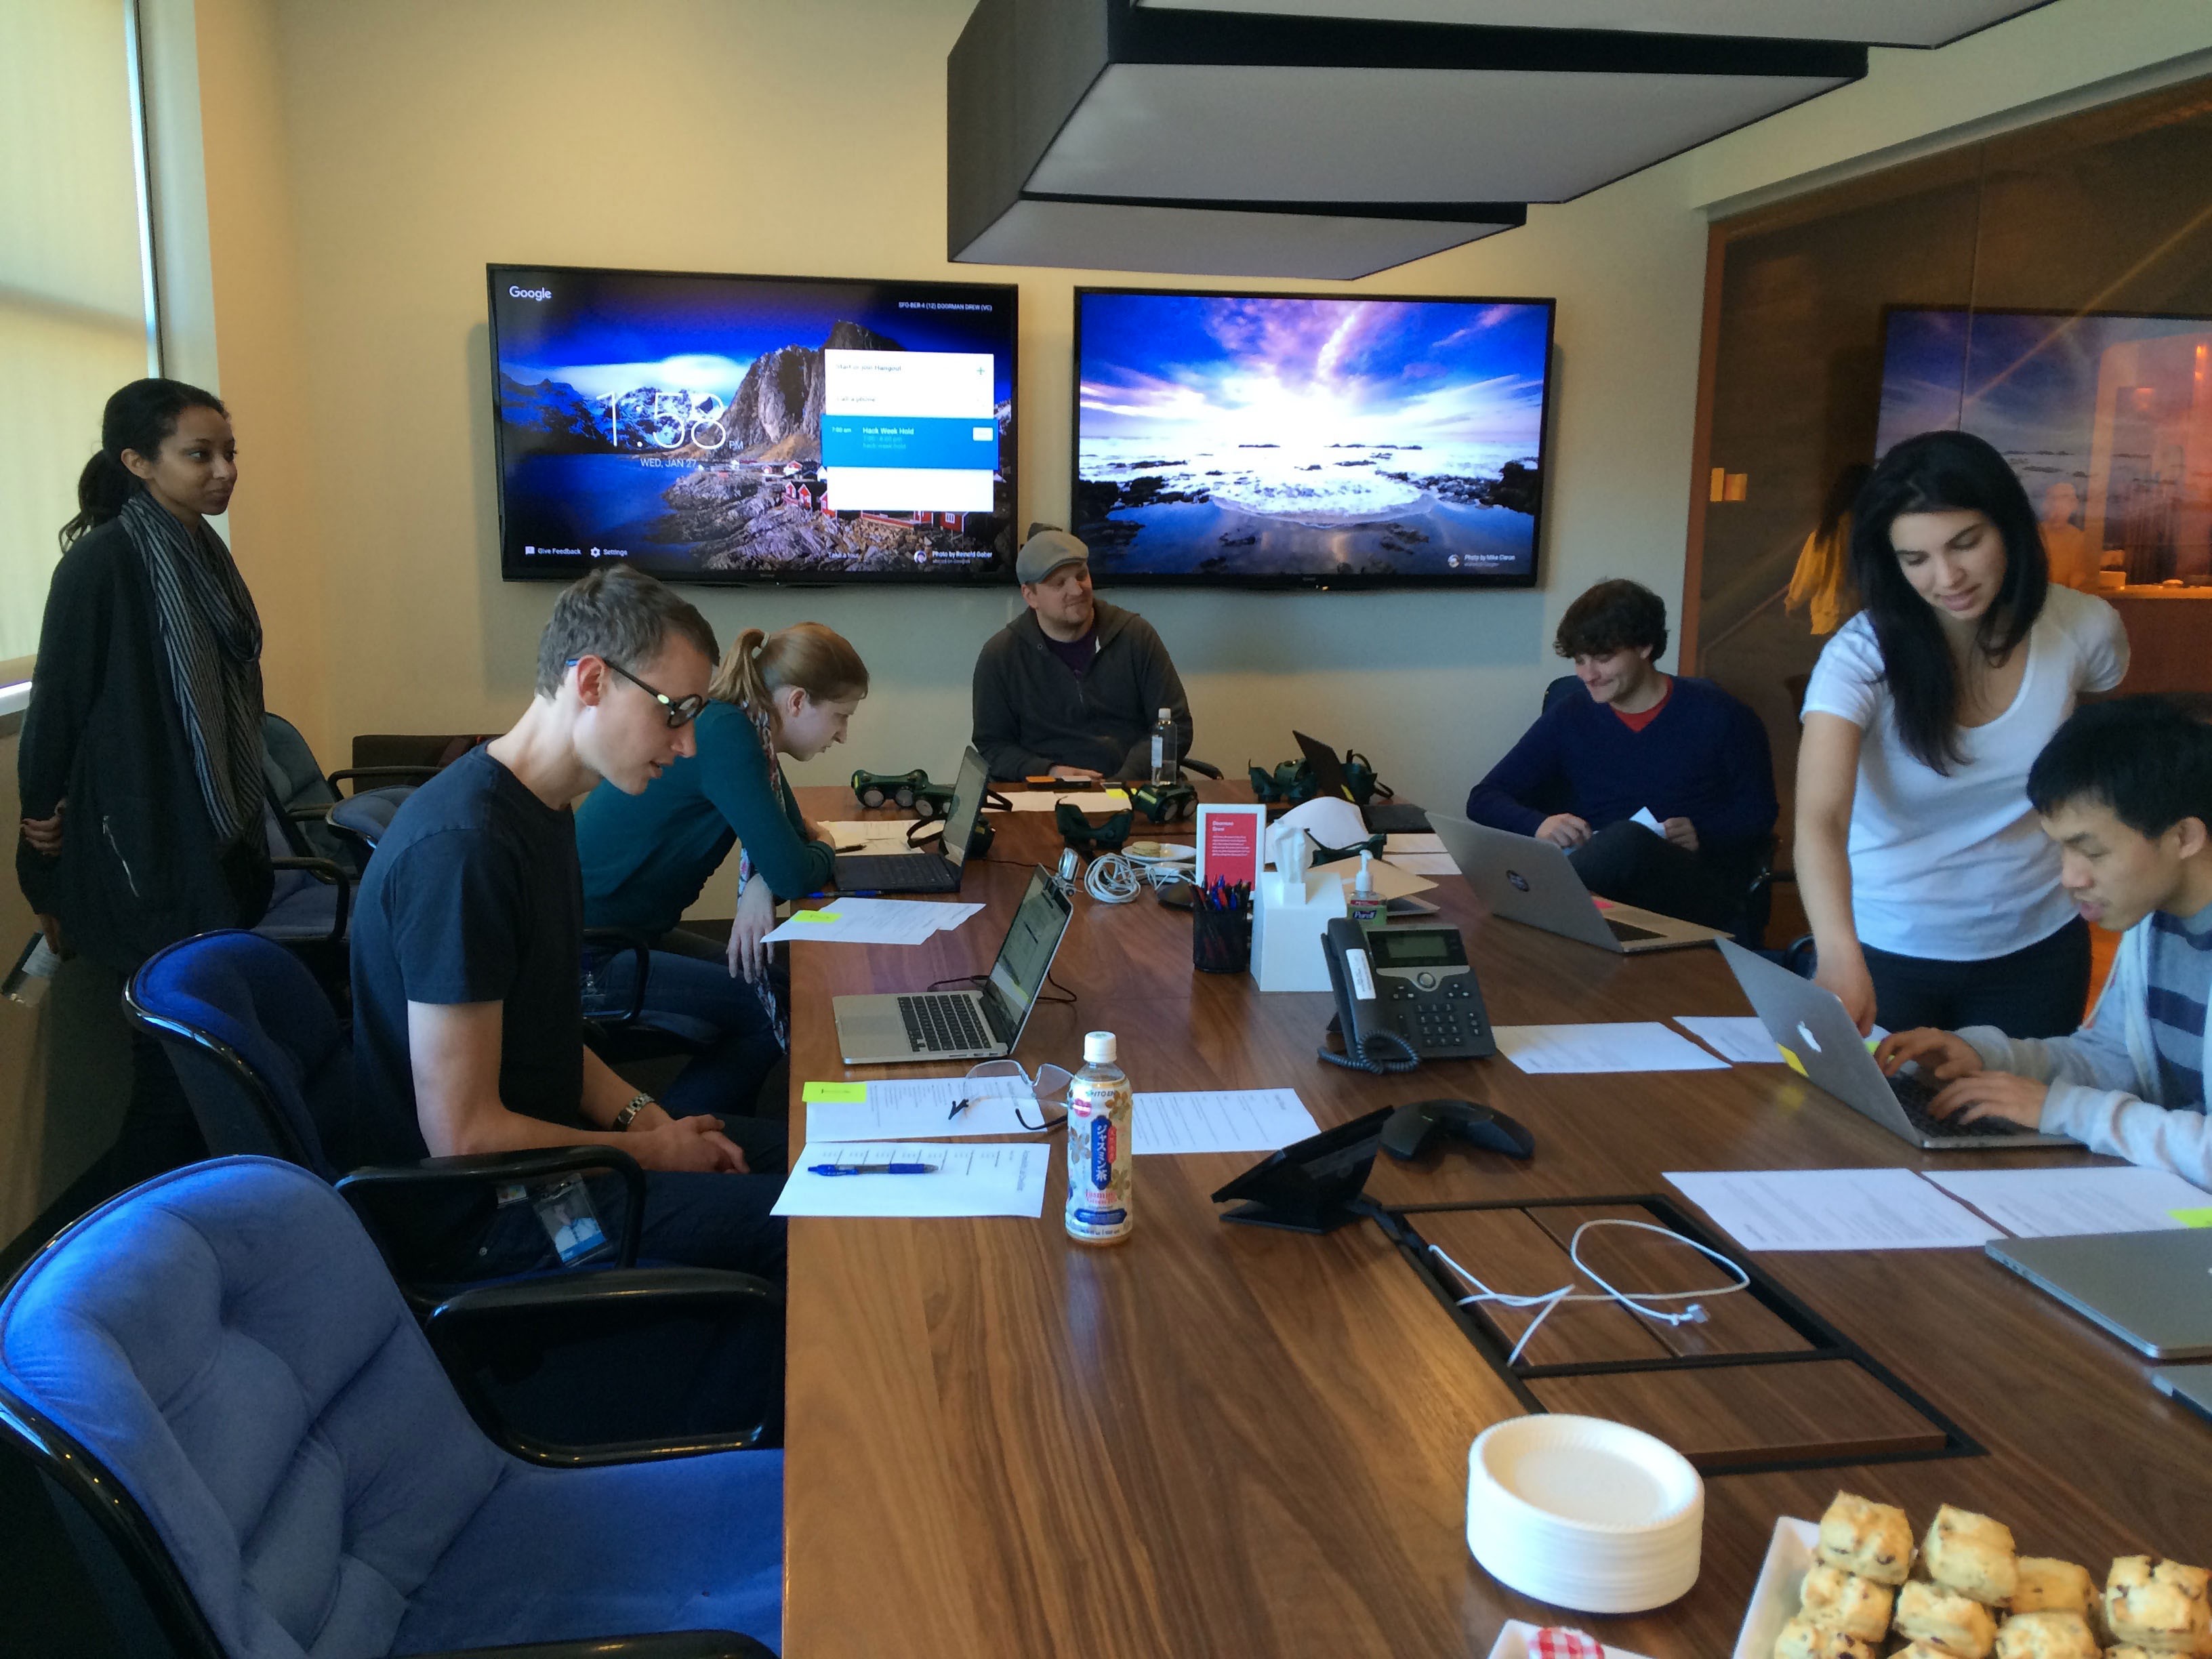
874, 1030
2190, 1385
1533, 882
1821, 1041
2152, 1290
930, 870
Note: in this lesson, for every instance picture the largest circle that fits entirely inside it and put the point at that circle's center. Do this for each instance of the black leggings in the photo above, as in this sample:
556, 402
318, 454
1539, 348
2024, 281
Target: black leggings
2038, 992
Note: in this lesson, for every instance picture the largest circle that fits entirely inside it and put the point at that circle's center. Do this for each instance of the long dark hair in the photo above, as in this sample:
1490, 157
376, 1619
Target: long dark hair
1939, 472
139, 418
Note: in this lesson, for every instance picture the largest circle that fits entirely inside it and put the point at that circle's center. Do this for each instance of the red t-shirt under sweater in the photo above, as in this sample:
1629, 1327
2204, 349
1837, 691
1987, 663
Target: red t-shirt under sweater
1637, 722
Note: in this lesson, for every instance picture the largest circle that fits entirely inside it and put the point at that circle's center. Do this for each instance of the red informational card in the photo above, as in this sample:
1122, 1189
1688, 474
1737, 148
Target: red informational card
1229, 844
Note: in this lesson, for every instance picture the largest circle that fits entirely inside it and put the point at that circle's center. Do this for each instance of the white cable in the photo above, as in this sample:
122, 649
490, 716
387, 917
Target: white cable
1634, 1301
1112, 879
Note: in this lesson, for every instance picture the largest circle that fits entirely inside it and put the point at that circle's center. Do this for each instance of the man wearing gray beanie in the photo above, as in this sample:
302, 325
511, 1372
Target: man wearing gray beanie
1072, 687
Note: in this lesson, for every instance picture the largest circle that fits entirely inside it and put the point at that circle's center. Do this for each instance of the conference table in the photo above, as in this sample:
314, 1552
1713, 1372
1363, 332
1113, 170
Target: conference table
1227, 1440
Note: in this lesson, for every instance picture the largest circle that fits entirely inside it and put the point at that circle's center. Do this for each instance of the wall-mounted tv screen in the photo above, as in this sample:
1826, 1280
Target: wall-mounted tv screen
753, 429
2105, 415
1278, 440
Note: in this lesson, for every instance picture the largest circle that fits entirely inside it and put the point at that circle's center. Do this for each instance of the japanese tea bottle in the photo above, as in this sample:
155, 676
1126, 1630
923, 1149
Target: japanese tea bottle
1099, 1162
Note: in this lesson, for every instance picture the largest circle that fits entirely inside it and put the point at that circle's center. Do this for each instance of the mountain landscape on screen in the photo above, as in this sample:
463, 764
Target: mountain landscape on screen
677, 424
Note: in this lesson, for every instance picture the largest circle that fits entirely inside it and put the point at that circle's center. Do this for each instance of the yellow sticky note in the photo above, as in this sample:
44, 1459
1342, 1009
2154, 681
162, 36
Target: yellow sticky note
834, 1094
2197, 1217
814, 915
1117, 798
1796, 1064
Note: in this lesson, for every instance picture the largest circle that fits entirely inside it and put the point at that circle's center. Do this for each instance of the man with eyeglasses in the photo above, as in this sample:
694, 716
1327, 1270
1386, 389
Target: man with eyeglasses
468, 1015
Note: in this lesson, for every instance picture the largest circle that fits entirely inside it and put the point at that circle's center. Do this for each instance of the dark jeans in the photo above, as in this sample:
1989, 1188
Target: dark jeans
1627, 862
690, 991
691, 1220
2038, 992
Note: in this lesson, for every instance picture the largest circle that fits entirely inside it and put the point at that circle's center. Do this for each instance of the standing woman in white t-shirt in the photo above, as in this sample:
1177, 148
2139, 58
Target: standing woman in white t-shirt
1933, 892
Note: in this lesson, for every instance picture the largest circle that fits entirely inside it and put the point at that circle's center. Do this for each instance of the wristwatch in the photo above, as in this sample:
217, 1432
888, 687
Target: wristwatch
638, 1103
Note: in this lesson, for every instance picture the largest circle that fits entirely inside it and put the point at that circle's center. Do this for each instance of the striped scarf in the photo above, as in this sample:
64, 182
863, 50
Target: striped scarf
211, 640
777, 789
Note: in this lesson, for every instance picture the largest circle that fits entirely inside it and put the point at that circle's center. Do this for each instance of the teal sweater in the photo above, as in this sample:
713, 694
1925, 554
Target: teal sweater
646, 857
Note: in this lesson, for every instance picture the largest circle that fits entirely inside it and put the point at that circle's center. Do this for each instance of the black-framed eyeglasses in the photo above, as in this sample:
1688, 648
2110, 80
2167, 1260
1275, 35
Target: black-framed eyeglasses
678, 711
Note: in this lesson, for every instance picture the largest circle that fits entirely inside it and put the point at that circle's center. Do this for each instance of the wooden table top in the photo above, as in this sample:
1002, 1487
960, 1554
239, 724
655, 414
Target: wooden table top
1228, 1440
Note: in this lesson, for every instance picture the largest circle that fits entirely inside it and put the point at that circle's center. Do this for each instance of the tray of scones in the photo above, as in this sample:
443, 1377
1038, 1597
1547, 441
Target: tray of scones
1855, 1585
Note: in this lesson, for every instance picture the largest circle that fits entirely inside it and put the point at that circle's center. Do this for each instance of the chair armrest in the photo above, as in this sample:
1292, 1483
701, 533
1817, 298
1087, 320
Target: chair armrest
1201, 768
619, 939
336, 876
667, 1644
499, 1169
382, 774
611, 1310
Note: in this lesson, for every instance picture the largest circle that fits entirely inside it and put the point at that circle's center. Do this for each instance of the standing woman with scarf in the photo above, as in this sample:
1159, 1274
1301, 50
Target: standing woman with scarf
139, 762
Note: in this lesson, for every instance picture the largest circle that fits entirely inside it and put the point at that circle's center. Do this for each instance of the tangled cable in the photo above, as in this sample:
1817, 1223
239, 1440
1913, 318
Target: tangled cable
1112, 879
1634, 1301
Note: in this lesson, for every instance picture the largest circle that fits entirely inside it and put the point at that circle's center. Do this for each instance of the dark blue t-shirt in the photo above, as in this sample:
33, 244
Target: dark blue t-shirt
473, 895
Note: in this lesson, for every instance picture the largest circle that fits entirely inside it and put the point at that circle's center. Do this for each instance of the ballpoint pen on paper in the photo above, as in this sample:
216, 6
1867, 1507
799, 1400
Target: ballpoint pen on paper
871, 1168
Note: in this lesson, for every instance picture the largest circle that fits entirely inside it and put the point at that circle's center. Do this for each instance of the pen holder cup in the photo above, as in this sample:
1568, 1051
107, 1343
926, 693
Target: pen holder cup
1220, 940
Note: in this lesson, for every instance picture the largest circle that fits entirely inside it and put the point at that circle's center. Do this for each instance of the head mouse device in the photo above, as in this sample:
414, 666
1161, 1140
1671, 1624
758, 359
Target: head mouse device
1417, 1126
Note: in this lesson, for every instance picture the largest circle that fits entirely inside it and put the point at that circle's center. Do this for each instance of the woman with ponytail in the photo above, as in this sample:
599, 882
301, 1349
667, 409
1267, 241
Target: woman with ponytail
1933, 893
140, 757
646, 857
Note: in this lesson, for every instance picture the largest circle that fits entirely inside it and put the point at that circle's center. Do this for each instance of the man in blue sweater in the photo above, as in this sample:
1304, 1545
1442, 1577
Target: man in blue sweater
1680, 751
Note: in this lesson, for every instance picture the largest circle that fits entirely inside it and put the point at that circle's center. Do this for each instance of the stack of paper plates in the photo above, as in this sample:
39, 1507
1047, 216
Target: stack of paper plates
1584, 1513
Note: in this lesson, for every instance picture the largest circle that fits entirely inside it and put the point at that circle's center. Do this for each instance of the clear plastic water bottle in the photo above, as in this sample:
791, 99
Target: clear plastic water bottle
1100, 1157
1165, 745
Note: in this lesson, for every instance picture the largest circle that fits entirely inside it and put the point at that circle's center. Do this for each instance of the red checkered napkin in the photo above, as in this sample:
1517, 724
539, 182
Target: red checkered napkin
1554, 1643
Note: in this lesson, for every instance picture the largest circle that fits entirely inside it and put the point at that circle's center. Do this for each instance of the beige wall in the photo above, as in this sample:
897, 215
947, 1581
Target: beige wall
355, 200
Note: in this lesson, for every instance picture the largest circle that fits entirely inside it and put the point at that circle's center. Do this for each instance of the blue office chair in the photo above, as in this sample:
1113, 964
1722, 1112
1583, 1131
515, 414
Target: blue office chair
268, 1071
256, 1455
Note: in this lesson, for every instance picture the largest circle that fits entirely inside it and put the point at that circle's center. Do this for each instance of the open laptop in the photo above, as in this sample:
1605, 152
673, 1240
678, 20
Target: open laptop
1390, 817
932, 870
2190, 1385
884, 1030
1532, 882
1822, 1041
2152, 1290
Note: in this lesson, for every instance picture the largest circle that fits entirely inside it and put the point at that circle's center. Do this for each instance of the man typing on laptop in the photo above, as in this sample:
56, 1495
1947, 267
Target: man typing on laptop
1688, 756
2126, 789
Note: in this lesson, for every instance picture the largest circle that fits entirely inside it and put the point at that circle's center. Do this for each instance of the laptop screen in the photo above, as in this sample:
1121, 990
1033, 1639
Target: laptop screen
1328, 769
967, 806
1018, 974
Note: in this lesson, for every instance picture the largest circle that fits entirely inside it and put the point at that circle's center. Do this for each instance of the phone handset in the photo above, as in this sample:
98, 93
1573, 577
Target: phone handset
1370, 1044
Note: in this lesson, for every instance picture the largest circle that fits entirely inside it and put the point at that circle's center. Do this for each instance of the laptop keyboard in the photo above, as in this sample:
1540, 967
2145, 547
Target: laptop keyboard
943, 1024
1628, 935
1913, 1095
913, 872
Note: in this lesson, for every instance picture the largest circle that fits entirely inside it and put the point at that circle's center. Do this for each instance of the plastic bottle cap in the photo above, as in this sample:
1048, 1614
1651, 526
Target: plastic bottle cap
1365, 886
1167, 713
1098, 1048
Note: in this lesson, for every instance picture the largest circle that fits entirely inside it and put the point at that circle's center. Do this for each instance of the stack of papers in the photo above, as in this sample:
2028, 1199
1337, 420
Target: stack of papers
873, 836
873, 921
906, 1109
1832, 1210
2052, 1203
1631, 1046
1220, 1121
992, 1178
1085, 800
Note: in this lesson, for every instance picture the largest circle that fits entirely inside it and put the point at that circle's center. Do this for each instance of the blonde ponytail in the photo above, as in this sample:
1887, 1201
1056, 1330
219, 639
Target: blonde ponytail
819, 660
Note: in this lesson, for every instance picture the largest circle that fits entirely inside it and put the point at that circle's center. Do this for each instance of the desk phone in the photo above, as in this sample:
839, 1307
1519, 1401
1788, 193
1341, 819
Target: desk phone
1405, 993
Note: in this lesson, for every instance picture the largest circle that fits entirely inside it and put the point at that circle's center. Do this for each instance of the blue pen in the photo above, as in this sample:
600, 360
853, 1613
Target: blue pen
871, 1168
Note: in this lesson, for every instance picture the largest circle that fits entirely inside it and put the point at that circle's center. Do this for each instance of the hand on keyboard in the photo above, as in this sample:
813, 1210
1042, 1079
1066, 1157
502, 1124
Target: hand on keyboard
1986, 1095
